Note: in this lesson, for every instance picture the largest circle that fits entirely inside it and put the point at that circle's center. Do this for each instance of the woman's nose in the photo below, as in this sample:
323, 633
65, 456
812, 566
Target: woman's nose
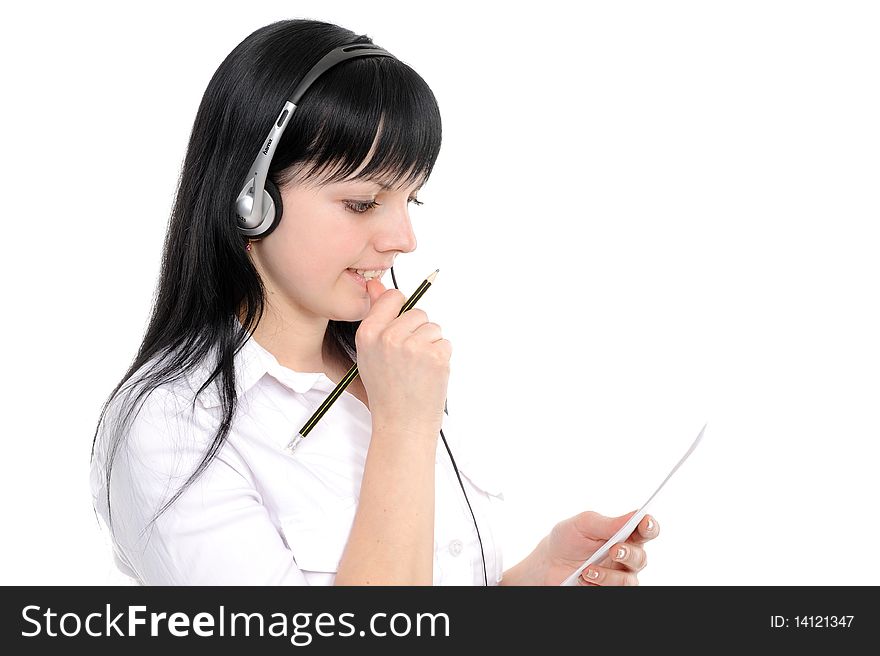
399, 235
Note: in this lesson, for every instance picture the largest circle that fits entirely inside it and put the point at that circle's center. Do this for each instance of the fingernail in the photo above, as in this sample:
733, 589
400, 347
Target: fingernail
621, 553
650, 524
592, 574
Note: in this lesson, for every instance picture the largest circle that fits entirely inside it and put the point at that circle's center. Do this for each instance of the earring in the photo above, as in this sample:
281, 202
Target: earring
248, 247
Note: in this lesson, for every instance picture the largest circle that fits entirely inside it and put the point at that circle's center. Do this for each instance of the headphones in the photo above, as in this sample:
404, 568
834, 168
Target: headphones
258, 208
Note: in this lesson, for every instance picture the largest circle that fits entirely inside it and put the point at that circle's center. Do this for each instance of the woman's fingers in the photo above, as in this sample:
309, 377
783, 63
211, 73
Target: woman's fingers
647, 529
430, 331
625, 559
631, 556
595, 575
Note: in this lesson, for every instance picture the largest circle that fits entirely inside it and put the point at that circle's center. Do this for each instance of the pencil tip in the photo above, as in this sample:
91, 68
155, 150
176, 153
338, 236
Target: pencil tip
432, 276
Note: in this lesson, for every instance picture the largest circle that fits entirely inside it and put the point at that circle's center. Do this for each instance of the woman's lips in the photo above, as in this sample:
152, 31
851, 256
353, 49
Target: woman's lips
360, 279
357, 277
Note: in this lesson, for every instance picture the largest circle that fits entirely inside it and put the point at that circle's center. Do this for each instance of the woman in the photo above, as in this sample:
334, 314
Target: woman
248, 337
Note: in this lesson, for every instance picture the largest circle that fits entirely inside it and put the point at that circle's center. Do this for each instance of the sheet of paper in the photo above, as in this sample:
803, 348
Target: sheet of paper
627, 529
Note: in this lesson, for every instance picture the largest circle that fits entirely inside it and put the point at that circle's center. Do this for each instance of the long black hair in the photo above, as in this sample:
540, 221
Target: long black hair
206, 275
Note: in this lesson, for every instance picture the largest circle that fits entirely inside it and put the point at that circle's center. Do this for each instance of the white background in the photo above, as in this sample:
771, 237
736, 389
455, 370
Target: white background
647, 216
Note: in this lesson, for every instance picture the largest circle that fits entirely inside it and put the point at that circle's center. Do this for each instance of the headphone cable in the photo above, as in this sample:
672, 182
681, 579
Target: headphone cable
455, 467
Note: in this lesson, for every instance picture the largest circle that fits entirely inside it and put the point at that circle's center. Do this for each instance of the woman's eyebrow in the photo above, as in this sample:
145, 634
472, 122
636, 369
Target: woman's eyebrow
387, 187
378, 183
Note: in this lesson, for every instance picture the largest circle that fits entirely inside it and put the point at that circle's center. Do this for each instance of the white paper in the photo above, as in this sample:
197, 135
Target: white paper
627, 529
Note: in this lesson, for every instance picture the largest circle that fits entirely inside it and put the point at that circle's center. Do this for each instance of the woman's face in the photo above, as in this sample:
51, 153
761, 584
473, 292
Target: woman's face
324, 232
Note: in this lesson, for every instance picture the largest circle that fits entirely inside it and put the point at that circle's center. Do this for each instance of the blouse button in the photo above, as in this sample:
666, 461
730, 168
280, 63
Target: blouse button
455, 547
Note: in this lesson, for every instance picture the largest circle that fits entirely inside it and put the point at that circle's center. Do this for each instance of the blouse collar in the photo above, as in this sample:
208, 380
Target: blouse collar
252, 362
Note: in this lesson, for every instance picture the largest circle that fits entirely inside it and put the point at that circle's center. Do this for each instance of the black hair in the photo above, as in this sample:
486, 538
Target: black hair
206, 276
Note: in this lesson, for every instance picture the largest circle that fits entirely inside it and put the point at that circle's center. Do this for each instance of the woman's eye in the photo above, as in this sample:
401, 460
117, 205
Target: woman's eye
360, 207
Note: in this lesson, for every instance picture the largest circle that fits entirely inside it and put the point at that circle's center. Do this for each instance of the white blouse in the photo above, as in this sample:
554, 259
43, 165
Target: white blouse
260, 515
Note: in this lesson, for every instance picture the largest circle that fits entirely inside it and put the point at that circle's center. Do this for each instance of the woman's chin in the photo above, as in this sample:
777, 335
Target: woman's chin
352, 311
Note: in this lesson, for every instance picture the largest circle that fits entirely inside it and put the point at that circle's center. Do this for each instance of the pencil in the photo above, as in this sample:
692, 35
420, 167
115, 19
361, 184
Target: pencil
346, 380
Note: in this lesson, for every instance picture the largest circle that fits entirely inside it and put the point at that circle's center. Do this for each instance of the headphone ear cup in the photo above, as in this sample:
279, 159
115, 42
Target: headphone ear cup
271, 190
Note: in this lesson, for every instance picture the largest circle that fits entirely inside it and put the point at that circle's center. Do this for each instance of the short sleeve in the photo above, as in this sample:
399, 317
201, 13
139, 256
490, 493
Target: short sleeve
217, 532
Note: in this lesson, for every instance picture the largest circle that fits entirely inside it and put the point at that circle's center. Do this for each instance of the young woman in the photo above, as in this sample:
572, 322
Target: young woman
190, 469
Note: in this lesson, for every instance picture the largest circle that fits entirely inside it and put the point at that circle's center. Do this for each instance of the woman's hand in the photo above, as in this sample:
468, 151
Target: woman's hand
574, 540
403, 362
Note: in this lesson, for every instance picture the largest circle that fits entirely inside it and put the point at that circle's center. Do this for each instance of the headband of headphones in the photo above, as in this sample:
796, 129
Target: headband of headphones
253, 213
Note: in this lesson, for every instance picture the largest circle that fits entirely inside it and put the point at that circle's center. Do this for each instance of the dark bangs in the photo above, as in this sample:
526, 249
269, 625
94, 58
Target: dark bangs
361, 104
